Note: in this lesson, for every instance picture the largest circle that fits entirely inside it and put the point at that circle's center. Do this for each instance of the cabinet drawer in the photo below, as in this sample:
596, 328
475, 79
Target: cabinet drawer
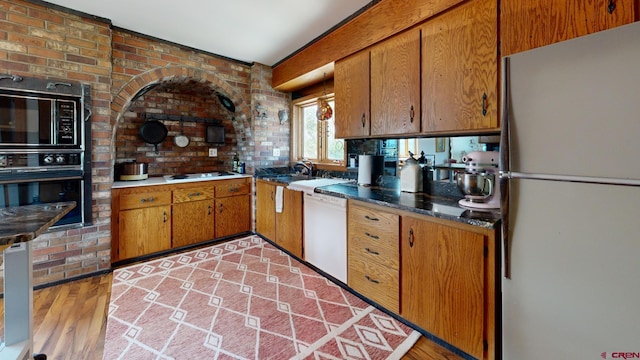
379, 283
142, 200
192, 194
372, 223
384, 251
233, 188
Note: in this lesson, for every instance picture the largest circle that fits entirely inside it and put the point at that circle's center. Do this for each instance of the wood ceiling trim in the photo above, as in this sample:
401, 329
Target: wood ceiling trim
384, 19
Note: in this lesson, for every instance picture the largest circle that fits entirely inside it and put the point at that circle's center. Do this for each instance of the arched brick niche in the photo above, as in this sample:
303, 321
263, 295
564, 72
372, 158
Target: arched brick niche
170, 93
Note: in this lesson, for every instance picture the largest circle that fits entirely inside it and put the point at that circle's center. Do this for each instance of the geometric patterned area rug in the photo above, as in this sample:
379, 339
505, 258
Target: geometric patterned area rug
243, 299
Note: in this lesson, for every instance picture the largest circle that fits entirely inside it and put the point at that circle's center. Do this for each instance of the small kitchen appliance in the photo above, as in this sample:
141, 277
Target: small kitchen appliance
479, 182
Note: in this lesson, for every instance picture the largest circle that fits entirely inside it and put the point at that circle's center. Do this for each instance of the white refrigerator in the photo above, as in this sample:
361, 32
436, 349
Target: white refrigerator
570, 175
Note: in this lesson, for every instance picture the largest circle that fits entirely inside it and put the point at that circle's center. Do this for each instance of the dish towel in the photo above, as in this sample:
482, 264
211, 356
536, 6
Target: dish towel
279, 193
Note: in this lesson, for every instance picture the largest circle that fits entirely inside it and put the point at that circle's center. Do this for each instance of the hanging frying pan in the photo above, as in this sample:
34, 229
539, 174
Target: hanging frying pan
153, 132
226, 102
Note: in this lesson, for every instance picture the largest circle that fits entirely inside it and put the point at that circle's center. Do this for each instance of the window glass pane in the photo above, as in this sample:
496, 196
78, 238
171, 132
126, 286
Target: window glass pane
335, 147
310, 131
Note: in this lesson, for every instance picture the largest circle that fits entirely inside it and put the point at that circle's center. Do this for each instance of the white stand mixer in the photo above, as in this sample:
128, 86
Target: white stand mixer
479, 182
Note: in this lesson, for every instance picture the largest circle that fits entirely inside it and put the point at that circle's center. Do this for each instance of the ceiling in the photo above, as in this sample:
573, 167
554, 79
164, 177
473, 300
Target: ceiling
263, 31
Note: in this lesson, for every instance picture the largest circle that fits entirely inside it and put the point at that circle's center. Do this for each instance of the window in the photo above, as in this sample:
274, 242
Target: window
314, 140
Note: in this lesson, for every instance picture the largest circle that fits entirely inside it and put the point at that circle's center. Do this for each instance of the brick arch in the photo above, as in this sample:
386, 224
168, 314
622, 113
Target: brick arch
177, 74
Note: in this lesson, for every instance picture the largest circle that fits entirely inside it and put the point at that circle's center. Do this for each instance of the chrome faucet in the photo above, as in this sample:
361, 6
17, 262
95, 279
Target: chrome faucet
306, 165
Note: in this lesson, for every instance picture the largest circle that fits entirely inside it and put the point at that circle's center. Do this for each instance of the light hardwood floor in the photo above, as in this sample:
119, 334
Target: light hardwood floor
70, 322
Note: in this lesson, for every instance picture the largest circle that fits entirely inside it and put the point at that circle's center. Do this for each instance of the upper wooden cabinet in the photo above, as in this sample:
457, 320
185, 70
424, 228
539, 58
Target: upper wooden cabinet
528, 24
377, 90
460, 69
395, 85
351, 89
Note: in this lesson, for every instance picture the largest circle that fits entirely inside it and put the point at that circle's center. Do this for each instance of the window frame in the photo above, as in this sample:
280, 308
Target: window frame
297, 135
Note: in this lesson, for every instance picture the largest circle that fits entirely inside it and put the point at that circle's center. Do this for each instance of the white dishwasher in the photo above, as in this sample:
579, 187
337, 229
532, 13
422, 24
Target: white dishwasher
325, 233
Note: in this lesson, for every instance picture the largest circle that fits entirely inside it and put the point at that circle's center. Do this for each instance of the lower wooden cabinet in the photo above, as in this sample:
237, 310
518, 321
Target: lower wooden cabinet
152, 209
373, 254
443, 282
233, 207
285, 228
150, 219
193, 215
193, 222
436, 273
231, 215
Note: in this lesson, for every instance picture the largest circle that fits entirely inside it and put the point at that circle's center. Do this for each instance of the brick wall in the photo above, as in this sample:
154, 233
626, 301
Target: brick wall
40, 42
171, 159
36, 41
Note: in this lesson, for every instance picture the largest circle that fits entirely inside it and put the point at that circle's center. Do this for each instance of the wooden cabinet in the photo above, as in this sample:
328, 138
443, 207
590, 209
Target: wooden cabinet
377, 90
528, 24
374, 254
443, 282
153, 209
459, 69
285, 227
395, 85
351, 88
193, 215
233, 207
155, 218
265, 209
435, 273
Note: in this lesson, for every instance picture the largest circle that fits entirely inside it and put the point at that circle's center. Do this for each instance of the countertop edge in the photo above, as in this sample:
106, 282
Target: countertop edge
46, 215
159, 180
475, 222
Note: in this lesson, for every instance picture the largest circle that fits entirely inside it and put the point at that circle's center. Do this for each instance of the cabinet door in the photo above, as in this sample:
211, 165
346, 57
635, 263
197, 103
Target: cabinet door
288, 223
265, 209
442, 282
233, 215
459, 69
193, 222
351, 89
395, 85
527, 24
144, 231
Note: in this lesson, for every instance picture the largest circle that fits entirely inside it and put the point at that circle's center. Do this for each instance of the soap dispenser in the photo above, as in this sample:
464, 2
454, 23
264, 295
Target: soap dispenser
411, 175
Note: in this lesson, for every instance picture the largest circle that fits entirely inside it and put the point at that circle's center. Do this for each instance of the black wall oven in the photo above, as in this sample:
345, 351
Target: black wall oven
45, 144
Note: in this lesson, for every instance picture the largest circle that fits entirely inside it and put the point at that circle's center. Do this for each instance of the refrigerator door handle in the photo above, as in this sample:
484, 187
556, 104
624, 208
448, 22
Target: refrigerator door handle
505, 167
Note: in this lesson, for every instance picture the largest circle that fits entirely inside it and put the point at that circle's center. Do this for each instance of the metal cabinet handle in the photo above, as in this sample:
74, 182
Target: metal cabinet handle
484, 104
411, 237
411, 114
143, 200
364, 121
272, 196
372, 236
209, 210
220, 208
371, 218
611, 7
371, 251
372, 280
164, 217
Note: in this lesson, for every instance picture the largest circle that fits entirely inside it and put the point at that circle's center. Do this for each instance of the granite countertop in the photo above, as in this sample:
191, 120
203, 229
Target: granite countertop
444, 207
25, 223
420, 203
166, 180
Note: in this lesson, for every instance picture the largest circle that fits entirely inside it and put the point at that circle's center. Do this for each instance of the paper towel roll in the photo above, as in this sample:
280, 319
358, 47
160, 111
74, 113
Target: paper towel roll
365, 163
